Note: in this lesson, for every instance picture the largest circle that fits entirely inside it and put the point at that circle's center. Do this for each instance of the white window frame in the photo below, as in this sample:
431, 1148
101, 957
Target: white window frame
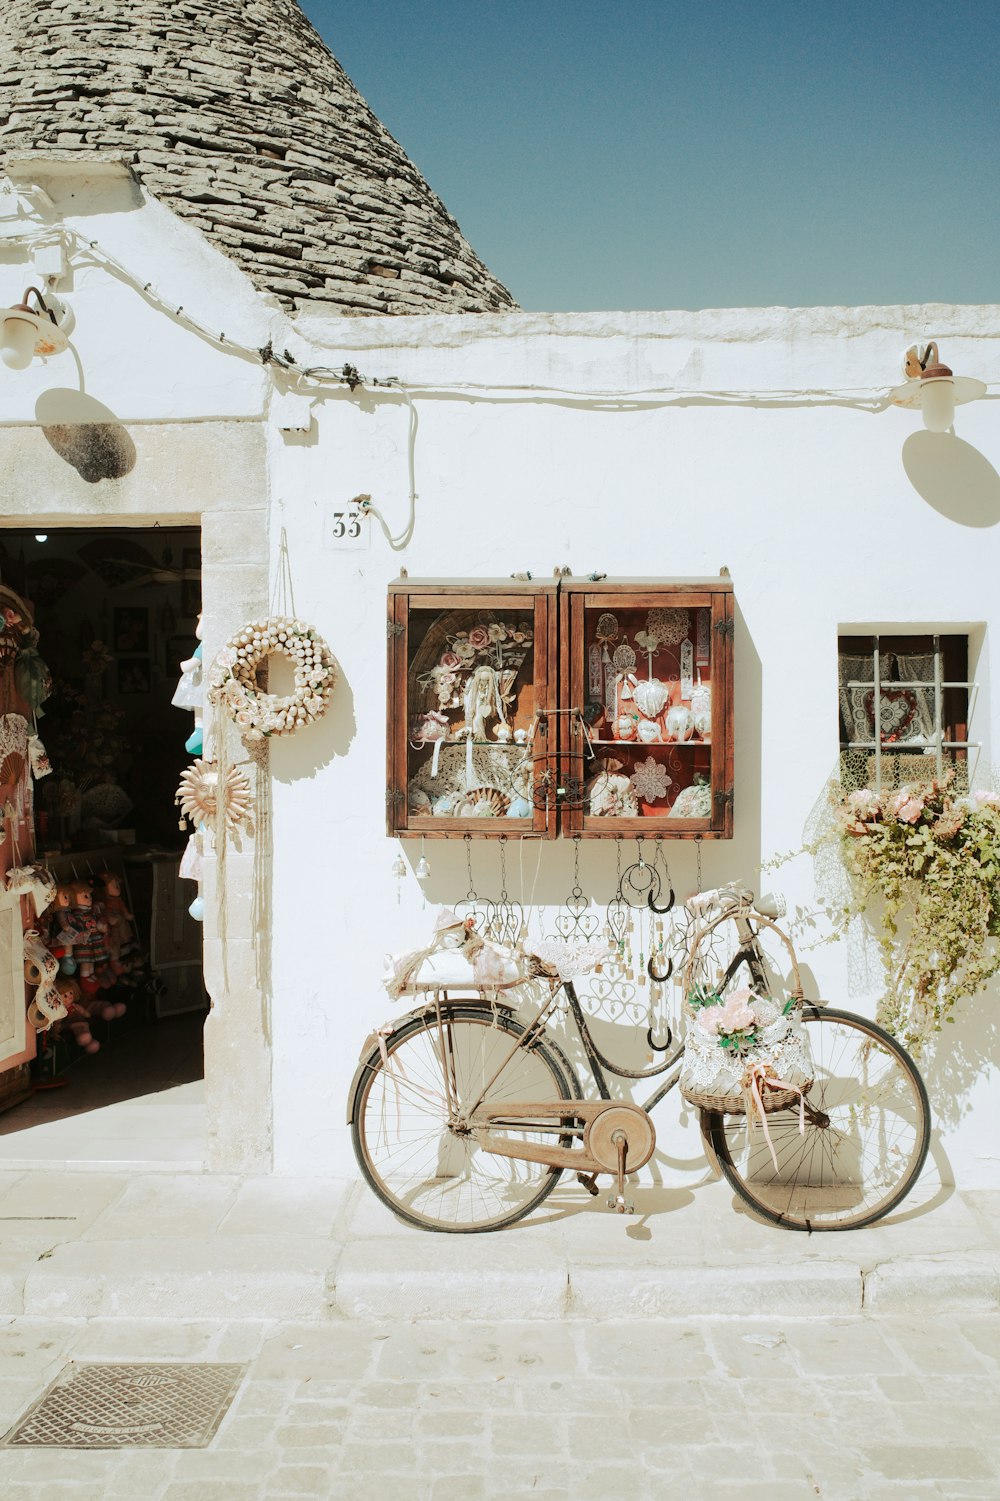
939, 684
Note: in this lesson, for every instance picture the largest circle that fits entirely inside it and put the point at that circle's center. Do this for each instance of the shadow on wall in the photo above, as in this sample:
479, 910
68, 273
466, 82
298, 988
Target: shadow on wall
961, 1054
86, 434
953, 477
307, 752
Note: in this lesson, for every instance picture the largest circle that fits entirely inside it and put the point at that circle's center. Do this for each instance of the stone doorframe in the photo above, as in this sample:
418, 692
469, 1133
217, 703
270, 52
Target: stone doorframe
212, 475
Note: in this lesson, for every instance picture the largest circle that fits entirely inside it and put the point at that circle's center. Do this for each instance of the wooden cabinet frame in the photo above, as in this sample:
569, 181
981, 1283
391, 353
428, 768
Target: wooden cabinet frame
563, 753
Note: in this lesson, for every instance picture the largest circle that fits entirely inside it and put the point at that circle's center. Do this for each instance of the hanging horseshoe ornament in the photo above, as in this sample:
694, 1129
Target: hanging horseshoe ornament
652, 971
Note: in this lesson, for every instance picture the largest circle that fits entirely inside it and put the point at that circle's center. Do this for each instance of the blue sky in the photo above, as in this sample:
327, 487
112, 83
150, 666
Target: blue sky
739, 153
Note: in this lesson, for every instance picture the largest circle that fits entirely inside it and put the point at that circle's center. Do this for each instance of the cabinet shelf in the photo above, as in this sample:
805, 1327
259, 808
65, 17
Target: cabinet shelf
654, 744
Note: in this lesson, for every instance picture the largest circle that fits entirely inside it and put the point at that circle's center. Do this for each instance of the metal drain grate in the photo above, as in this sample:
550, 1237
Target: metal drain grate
98, 1406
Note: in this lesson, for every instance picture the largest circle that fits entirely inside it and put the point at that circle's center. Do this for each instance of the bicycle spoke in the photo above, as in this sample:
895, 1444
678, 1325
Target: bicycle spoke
414, 1148
860, 1151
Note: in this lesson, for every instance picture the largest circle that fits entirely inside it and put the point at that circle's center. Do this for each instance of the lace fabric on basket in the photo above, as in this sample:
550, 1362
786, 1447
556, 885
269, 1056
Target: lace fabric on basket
783, 1049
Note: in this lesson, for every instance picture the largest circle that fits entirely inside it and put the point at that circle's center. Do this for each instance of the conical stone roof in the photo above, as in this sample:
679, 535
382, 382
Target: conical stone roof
235, 114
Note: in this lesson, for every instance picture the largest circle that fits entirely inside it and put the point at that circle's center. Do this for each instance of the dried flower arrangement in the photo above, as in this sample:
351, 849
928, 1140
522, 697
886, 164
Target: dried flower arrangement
932, 859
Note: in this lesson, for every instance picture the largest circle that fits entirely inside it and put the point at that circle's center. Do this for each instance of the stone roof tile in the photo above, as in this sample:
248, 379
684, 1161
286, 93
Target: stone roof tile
233, 109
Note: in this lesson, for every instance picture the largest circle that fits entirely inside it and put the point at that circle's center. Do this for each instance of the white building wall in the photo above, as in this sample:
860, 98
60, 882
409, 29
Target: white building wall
815, 507
826, 512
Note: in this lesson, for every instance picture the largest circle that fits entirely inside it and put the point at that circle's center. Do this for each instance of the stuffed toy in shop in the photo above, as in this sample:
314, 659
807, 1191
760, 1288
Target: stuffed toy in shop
91, 953
77, 1015
118, 918
63, 934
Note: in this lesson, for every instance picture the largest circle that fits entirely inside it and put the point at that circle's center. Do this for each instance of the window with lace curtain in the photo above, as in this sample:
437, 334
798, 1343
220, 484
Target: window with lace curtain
916, 689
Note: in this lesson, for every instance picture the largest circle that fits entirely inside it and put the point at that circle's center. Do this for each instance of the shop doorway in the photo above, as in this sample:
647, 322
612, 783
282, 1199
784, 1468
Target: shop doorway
120, 1078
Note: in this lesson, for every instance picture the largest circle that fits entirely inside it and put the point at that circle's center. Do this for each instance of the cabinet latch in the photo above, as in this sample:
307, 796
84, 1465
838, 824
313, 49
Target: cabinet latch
393, 797
394, 628
726, 629
725, 798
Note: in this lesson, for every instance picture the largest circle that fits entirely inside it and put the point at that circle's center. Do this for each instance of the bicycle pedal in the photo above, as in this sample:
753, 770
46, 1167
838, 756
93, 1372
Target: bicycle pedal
589, 1181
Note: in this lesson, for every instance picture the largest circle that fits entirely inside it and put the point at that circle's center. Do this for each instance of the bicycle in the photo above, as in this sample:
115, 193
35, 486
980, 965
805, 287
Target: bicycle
464, 1117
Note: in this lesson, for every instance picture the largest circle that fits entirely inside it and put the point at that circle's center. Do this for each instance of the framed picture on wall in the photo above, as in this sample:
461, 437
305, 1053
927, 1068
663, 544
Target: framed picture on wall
131, 629
133, 675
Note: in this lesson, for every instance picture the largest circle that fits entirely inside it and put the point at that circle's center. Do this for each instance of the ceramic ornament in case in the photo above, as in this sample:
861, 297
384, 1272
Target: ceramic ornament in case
701, 708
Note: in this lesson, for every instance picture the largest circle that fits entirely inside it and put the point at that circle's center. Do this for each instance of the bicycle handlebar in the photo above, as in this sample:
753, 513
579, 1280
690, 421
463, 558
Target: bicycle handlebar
736, 895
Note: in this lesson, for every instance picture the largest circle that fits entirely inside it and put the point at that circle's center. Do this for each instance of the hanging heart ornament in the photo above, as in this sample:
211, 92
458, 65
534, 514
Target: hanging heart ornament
223, 802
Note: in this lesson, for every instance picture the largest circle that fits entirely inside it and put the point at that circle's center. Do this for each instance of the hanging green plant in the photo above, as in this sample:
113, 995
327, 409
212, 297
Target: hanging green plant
926, 862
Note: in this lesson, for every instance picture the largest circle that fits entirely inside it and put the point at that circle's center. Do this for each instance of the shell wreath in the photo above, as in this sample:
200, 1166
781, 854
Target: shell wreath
256, 713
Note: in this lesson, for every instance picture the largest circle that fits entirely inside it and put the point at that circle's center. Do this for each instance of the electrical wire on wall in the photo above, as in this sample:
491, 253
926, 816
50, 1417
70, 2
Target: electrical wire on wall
366, 505
322, 379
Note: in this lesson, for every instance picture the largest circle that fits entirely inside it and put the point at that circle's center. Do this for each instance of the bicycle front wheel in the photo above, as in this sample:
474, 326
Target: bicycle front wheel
866, 1134
407, 1112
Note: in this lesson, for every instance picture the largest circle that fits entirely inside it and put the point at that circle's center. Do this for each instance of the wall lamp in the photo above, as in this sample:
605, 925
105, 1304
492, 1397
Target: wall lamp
26, 333
935, 389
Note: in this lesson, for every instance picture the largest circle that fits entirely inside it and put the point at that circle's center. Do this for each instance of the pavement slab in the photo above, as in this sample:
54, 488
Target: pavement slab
203, 1246
844, 1409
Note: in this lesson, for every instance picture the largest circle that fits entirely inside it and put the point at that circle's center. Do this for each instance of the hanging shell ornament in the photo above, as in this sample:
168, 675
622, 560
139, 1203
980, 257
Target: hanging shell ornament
205, 796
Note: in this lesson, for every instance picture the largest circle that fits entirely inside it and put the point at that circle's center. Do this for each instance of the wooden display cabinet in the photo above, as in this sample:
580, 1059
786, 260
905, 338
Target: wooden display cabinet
648, 671
591, 709
471, 691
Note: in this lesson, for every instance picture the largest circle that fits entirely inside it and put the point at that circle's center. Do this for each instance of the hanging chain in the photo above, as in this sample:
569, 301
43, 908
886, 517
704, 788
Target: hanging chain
577, 892
697, 845
471, 895
503, 869
661, 862
618, 857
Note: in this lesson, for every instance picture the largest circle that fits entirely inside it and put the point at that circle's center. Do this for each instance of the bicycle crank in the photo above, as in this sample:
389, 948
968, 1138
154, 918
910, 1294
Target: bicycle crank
617, 1138
621, 1139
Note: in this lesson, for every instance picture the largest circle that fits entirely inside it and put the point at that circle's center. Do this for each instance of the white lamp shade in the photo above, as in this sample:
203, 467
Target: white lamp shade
17, 342
937, 404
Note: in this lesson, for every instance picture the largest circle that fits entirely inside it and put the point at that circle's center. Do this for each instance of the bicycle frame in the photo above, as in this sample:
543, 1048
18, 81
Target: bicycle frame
562, 1112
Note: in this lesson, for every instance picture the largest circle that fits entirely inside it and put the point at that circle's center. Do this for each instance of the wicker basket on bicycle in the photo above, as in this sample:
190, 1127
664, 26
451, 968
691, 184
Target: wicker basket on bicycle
767, 1066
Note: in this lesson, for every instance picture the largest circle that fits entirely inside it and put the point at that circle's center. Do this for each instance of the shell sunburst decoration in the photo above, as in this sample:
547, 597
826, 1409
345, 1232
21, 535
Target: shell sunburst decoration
222, 801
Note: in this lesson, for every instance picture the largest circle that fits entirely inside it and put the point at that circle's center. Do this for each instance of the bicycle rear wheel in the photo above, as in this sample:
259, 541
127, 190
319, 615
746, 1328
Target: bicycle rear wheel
409, 1145
866, 1133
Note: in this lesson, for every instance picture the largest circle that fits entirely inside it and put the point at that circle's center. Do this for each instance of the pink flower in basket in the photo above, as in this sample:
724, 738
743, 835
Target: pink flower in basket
908, 808
734, 1016
863, 803
479, 637
450, 659
736, 1013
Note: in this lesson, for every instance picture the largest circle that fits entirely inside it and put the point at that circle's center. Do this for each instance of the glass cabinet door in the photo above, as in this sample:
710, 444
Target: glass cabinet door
647, 743
471, 711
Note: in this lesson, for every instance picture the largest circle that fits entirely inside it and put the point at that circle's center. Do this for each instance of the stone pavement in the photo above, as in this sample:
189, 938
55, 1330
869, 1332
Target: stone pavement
768, 1409
686, 1352
195, 1245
